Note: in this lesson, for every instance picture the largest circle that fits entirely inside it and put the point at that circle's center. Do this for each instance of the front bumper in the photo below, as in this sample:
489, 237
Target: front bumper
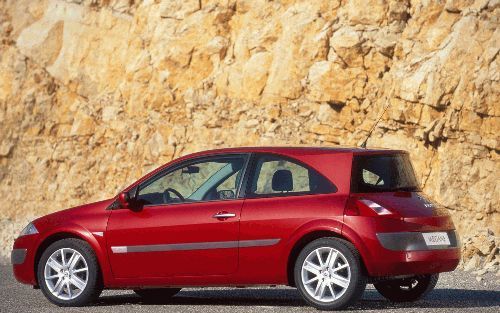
18, 256
23, 259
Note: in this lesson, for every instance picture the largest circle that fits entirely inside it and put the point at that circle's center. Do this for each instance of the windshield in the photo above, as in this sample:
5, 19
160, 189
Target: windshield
378, 173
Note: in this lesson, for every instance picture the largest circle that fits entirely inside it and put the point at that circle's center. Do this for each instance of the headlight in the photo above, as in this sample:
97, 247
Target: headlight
30, 229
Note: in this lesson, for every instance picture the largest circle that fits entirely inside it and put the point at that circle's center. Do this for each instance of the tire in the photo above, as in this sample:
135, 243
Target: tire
353, 283
78, 255
408, 289
157, 294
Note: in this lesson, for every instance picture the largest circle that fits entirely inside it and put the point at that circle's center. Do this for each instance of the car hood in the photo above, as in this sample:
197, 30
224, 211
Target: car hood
83, 215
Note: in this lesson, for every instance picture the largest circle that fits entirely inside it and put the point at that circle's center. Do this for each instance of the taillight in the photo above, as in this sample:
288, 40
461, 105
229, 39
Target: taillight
380, 210
365, 207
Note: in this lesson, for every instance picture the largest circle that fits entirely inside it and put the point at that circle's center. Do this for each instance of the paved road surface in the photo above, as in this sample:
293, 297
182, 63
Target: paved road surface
455, 292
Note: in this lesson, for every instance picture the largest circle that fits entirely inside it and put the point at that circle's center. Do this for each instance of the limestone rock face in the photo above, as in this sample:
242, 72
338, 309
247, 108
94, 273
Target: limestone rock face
95, 93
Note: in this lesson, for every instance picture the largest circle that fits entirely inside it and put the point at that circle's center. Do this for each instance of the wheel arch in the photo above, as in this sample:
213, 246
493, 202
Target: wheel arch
65, 234
305, 240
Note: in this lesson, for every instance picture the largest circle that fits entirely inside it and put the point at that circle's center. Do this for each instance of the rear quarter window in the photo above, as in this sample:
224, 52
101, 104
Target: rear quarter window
277, 176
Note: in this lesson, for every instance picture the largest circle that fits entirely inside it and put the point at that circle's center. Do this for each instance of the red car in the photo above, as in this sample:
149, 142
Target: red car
325, 220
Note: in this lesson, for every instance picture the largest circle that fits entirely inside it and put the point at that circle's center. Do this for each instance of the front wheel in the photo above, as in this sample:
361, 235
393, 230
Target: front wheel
328, 274
407, 289
68, 273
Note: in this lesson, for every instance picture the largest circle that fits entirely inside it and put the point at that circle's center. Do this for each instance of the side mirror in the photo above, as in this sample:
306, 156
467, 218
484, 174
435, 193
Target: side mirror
124, 199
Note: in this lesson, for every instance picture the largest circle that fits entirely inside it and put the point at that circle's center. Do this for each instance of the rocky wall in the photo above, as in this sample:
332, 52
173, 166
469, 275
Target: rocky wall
95, 93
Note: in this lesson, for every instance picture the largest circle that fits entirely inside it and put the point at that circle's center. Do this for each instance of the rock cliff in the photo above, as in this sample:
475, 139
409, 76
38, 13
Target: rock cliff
95, 93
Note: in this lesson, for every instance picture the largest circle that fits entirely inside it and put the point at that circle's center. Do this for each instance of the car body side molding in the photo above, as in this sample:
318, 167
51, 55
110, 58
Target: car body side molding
195, 246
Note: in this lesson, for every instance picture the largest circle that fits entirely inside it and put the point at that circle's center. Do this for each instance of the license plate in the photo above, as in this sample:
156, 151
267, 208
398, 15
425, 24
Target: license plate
436, 239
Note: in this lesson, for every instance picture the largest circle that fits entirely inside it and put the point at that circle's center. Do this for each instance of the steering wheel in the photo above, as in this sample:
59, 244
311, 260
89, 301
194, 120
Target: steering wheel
166, 195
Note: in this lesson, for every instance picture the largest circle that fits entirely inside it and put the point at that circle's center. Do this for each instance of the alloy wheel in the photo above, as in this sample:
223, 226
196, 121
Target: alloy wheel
66, 273
326, 274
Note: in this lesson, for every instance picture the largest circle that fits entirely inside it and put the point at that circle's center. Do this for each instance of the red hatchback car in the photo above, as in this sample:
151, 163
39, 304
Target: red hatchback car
325, 220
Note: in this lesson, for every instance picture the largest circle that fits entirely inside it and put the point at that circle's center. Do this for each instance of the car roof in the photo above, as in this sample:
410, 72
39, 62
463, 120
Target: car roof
296, 149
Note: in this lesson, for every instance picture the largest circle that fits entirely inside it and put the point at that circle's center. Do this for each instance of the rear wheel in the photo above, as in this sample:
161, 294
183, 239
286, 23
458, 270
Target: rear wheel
408, 289
68, 273
328, 274
157, 294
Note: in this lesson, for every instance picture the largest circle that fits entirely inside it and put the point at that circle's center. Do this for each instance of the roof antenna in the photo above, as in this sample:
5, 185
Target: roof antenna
363, 145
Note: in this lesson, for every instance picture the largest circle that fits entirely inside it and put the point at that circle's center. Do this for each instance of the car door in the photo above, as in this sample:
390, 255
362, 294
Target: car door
185, 222
282, 195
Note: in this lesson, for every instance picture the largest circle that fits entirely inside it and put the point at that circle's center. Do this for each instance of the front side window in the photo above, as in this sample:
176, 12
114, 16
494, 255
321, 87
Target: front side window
379, 173
210, 179
274, 176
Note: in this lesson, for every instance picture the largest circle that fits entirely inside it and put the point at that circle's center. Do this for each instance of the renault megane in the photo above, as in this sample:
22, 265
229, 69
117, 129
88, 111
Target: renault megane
324, 220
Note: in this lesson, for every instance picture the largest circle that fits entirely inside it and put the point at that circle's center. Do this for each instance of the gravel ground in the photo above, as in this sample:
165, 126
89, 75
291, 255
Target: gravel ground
457, 291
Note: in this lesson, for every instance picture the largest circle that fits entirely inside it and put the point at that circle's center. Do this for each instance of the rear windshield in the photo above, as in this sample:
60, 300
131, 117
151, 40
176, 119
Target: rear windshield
379, 173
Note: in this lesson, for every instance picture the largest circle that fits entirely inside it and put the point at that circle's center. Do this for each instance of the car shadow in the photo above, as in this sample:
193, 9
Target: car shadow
439, 298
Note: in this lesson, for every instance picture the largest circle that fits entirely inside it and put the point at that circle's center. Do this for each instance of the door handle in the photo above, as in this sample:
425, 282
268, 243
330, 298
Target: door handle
224, 215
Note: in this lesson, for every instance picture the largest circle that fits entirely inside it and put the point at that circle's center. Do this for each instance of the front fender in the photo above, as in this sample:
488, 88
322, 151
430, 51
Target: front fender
96, 241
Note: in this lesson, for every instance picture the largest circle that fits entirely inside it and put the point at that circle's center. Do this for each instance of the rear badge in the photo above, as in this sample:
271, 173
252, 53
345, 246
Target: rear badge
427, 203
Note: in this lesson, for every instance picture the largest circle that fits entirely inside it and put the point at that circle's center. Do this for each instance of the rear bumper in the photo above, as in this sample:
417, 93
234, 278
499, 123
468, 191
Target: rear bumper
416, 262
408, 257
414, 241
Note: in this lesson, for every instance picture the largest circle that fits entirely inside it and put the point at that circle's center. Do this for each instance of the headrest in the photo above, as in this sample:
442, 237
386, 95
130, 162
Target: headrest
282, 181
